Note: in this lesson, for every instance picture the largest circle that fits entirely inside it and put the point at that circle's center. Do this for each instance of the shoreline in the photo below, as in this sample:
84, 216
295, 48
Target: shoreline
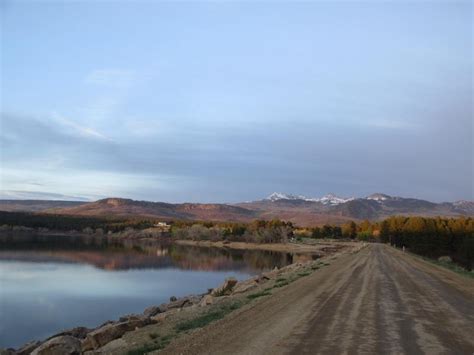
109, 336
276, 247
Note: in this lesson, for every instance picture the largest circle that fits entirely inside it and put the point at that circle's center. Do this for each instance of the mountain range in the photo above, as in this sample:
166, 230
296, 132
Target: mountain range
301, 210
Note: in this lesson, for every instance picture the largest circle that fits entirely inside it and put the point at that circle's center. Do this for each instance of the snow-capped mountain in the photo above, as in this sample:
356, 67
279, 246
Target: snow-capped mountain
329, 199
276, 196
379, 197
463, 203
301, 210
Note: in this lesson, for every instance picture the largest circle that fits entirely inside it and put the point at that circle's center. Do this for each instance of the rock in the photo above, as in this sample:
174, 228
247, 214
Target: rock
180, 303
132, 317
445, 259
114, 347
225, 288
160, 317
78, 332
109, 332
28, 347
194, 299
64, 344
7, 351
268, 276
173, 298
245, 286
152, 311
105, 323
290, 267
206, 300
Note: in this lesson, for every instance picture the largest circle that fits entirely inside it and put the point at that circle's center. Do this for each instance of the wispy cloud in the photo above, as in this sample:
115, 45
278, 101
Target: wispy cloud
116, 78
80, 129
26, 195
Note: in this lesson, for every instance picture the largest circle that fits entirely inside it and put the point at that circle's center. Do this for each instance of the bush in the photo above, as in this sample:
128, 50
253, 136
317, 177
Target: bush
364, 236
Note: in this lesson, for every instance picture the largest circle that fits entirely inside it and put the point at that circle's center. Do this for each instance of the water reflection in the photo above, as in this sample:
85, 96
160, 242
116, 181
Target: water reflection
48, 284
112, 254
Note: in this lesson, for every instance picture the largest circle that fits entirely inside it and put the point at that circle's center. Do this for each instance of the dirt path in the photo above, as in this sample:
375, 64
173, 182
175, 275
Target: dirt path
379, 300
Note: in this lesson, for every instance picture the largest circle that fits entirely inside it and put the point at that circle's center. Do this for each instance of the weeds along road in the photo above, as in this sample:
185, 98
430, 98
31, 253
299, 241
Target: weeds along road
378, 301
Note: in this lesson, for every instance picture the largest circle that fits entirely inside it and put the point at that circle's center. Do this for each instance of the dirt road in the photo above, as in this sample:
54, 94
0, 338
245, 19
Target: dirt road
378, 301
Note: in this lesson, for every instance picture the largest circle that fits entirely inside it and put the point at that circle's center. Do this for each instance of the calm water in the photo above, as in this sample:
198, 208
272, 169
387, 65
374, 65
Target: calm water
47, 285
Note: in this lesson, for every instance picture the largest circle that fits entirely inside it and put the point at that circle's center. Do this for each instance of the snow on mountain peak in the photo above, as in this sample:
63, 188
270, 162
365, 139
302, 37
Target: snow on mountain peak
329, 199
378, 197
282, 196
463, 203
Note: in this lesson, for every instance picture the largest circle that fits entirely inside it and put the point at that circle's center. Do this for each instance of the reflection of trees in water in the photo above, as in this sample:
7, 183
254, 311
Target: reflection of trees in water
205, 258
112, 254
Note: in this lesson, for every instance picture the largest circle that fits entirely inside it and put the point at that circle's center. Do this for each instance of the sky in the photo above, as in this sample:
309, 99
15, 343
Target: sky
228, 101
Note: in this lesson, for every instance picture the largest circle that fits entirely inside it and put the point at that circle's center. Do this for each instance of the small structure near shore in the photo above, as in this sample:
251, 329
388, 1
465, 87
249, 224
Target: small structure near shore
162, 226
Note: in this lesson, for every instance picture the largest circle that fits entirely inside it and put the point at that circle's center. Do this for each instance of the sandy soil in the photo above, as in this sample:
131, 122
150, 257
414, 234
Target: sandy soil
378, 300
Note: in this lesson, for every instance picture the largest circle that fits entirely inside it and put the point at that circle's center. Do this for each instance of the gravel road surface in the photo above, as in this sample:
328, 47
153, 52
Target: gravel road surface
377, 301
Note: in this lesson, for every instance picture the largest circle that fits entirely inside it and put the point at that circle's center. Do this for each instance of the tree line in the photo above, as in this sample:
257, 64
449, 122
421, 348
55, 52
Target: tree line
258, 231
72, 223
431, 237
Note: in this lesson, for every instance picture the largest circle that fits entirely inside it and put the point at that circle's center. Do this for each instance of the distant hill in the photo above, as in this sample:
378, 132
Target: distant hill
300, 210
372, 207
36, 205
188, 211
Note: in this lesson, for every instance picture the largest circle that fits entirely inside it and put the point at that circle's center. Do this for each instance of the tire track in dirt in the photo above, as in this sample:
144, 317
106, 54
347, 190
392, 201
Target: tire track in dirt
379, 300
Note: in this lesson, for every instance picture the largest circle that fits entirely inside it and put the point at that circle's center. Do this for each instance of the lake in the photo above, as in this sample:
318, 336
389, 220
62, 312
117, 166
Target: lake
51, 283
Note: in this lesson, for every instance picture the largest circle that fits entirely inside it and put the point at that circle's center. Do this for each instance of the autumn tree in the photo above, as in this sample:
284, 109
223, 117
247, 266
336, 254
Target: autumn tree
349, 230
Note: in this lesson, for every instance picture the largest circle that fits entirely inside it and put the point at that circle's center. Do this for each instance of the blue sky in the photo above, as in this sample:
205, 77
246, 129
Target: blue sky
228, 101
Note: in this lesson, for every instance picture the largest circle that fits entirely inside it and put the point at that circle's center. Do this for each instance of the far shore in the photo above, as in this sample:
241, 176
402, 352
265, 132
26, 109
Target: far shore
277, 247
309, 246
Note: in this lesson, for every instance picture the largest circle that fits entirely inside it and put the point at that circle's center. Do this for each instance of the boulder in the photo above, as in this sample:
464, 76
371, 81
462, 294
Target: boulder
445, 259
291, 267
173, 298
245, 286
28, 347
160, 317
109, 332
267, 276
114, 347
179, 303
78, 332
152, 311
105, 323
206, 300
225, 288
132, 317
61, 345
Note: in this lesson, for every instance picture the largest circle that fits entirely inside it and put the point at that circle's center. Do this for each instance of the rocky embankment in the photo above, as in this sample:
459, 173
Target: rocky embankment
158, 325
